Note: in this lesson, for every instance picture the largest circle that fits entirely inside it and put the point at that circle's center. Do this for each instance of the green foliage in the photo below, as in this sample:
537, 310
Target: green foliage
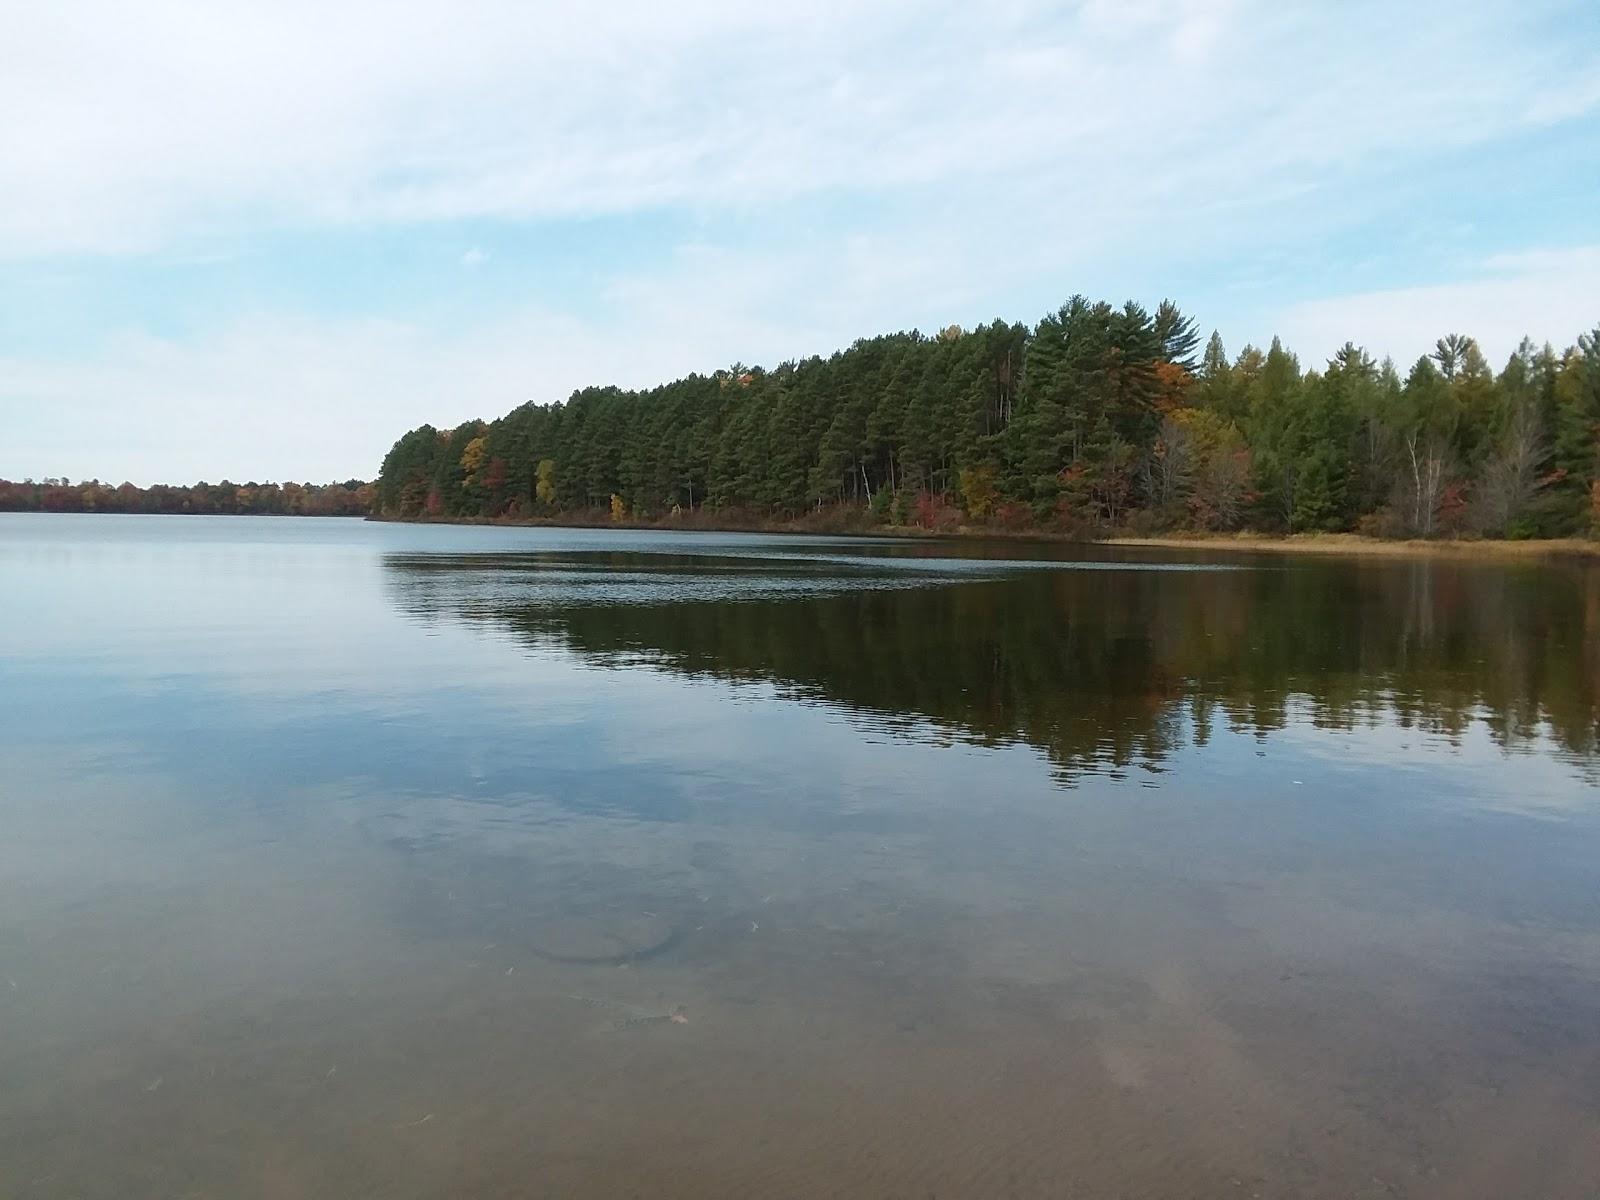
1097, 417
900, 510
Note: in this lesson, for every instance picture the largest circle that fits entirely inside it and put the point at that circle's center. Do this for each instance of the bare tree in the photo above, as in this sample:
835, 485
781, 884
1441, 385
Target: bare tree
1514, 473
1222, 488
1168, 469
1429, 462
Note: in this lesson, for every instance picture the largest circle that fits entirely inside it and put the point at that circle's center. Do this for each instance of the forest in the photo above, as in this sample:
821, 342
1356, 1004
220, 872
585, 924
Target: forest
1097, 419
352, 498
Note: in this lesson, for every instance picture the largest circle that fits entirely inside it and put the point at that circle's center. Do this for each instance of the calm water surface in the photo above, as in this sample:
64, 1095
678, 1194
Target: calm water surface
348, 860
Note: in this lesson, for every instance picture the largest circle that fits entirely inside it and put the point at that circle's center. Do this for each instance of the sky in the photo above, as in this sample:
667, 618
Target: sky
260, 240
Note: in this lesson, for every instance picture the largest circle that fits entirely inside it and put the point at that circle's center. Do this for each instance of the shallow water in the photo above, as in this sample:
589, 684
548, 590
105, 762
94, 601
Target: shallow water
344, 860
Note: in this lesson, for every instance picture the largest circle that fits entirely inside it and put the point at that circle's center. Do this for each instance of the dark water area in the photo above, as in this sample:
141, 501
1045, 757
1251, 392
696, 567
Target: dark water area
349, 860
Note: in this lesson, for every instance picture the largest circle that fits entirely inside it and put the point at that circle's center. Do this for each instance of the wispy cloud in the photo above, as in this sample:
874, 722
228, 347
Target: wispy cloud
130, 127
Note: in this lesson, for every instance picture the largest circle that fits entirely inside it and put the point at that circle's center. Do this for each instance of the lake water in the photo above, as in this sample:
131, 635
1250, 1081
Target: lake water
348, 860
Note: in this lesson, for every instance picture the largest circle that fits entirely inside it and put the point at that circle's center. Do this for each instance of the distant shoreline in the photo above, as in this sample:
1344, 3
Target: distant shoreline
114, 512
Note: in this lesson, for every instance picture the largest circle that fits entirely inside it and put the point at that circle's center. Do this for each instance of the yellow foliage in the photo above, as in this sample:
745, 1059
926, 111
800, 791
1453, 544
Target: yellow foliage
619, 510
545, 488
1211, 433
472, 456
978, 490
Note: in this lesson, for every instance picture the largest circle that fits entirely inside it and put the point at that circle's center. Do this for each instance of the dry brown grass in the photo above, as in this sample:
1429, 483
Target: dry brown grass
1351, 543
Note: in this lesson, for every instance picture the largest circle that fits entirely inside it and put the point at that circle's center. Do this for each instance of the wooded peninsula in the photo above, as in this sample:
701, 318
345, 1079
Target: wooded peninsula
1098, 420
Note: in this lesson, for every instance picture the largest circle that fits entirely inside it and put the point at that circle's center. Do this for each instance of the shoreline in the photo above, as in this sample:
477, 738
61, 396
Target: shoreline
1357, 544
1315, 544
1352, 544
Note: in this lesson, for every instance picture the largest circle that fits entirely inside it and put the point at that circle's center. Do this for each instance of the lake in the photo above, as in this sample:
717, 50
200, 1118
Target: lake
345, 859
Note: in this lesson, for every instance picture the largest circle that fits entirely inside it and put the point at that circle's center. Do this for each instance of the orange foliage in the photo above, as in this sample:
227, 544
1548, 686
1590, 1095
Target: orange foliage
1173, 384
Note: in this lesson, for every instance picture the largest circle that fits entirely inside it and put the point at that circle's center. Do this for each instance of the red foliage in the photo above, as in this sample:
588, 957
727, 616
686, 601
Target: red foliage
1453, 507
494, 475
1013, 516
931, 511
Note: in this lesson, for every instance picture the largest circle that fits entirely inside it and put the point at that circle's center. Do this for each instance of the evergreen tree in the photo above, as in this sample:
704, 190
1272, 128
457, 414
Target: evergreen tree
1096, 416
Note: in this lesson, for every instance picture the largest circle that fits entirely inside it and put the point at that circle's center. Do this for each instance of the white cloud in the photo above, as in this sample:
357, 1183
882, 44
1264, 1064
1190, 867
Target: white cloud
474, 257
1567, 98
1552, 293
125, 127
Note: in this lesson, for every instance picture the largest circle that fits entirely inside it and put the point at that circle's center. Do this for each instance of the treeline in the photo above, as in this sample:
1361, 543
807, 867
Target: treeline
1097, 418
352, 498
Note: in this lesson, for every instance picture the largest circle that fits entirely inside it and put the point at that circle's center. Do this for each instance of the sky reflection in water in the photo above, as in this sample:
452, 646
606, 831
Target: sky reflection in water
354, 859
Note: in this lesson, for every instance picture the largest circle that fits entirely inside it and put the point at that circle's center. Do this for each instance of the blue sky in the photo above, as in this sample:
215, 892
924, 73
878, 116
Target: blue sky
260, 240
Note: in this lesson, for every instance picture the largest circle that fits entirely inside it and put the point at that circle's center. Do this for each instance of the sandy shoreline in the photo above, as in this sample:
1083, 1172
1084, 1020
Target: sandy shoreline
1351, 543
